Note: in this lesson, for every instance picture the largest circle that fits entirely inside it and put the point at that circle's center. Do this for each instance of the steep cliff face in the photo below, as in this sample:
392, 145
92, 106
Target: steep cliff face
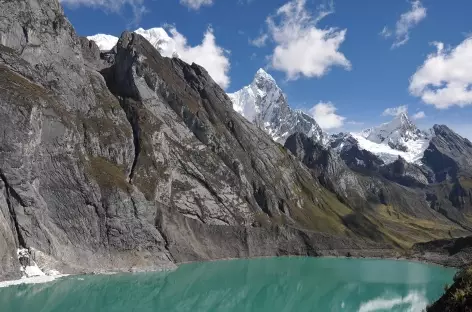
138, 161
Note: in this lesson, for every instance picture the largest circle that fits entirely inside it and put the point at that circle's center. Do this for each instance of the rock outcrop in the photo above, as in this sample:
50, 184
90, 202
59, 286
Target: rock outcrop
126, 159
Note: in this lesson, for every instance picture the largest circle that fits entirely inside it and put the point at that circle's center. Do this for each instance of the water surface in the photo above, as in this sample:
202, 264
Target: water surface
273, 284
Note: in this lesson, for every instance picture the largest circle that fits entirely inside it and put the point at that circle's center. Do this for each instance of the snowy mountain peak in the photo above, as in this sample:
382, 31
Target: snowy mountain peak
263, 76
264, 104
156, 32
157, 36
399, 137
395, 133
104, 42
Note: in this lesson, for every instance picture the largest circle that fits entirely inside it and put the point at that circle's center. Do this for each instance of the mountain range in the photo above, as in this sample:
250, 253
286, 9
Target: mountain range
264, 104
118, 158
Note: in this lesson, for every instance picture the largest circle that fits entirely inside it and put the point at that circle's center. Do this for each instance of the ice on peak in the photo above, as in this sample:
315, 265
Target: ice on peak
399, 137
157, 36
104, 42
264, 104
261, 74
156, 32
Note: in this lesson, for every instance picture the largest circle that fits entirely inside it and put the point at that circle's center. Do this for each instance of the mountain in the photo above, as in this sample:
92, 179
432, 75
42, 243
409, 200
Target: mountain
127, 160
157, 36
264, 104
397, 138
104, 42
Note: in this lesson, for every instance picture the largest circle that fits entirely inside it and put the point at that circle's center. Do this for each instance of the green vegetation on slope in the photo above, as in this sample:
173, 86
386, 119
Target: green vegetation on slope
458, 297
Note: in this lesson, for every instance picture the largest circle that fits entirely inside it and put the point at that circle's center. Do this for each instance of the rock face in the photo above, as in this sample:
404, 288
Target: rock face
264, 104
139, 161
128, 160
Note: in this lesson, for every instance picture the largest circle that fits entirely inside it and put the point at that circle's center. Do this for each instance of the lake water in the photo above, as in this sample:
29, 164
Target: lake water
272, 284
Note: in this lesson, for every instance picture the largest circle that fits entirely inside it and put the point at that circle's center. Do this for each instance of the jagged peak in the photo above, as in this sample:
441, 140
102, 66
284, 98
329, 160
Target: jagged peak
402, 120
262, 78
264, 104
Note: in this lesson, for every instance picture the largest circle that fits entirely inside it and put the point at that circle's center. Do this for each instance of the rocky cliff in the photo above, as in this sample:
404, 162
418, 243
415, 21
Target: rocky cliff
128, 160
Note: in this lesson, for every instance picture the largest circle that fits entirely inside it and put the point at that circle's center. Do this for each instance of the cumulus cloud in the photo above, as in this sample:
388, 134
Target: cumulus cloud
419, 115
325, 115
196, 4
445, 78
407, 21
207, 54
137, 6
301, 47
395, 111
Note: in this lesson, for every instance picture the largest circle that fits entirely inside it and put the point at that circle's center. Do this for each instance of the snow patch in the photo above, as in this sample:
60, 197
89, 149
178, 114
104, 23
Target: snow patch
414, 153
32, 274
29, 267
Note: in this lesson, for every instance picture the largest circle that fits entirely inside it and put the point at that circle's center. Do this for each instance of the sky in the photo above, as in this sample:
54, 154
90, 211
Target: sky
350, 64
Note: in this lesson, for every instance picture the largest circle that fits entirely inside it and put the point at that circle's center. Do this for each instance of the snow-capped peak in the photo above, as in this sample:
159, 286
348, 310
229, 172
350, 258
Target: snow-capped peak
264, 104
394, 133
263, 76
399, 137
157, 36
104, 42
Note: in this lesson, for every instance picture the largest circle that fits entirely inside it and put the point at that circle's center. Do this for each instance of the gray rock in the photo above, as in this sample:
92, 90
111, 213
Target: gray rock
133, 161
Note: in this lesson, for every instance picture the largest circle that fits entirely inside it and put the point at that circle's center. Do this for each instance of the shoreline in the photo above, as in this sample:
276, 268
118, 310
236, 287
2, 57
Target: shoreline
134, 270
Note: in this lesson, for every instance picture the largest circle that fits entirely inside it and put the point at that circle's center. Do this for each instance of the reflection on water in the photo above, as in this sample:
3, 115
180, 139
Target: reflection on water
276, 284
413, 302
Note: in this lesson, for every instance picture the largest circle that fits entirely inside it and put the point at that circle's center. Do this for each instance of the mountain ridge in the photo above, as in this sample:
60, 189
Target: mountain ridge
128, 160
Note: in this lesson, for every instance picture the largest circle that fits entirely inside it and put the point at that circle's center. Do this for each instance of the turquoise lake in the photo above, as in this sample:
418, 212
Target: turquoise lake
271, 284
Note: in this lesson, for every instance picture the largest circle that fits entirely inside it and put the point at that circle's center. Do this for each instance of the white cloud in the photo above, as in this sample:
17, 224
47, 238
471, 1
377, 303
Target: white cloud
325, 115
137, 6
419, 115
407, 21
385, 32
445, 78
196, 4
259, 41
207, 54
301, 47
395, 111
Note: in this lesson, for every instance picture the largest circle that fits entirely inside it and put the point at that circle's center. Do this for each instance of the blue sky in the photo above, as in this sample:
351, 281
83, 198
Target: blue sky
336, 55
